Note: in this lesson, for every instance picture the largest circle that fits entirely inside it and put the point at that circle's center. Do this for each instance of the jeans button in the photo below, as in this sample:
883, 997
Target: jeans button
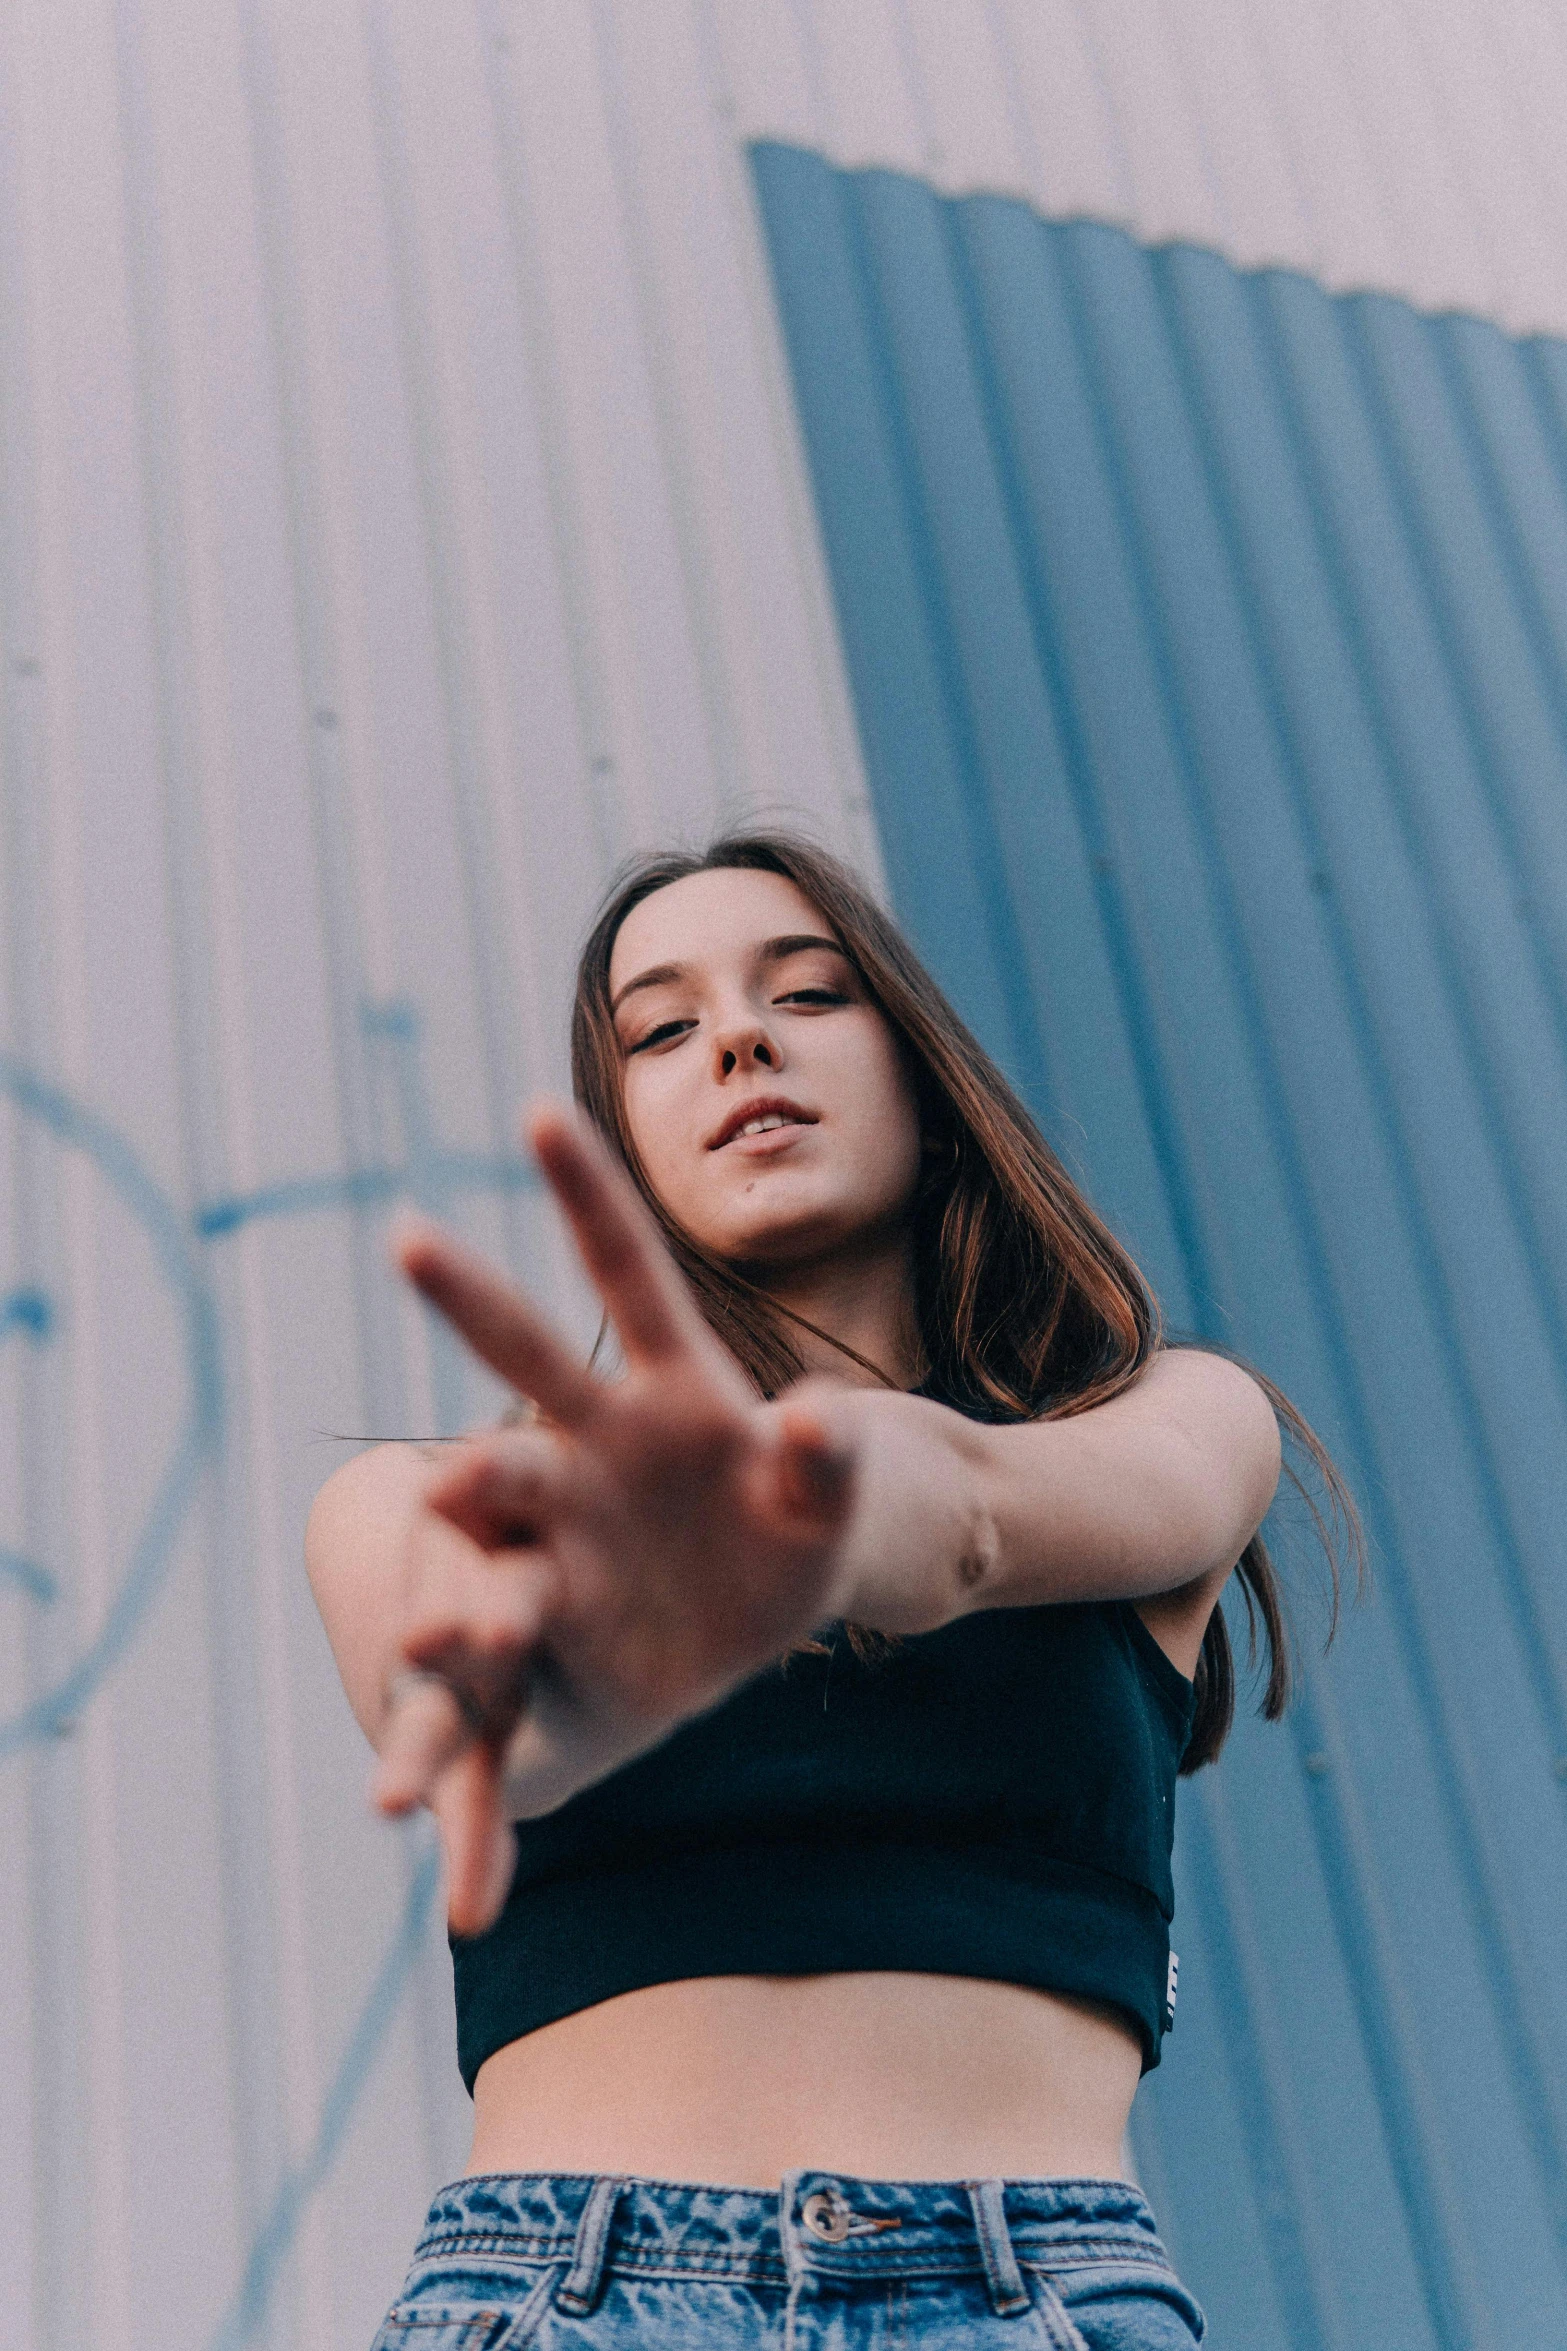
825, 2217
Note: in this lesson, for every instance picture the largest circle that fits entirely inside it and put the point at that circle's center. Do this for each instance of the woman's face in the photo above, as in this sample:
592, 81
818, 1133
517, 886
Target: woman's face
765, 1092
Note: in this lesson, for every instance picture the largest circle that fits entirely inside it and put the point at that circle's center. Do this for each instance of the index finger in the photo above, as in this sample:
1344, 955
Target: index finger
617, 1239
498, 1322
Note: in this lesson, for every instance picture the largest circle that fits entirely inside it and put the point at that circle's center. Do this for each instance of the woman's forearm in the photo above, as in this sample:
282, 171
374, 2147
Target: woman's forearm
1150, 1493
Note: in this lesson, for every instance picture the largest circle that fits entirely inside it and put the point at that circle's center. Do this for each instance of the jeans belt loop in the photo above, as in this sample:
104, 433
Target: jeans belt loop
584, 2281
1008, 2294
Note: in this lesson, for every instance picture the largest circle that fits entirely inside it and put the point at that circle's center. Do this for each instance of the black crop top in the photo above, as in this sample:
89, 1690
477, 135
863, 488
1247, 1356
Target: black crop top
995, 1799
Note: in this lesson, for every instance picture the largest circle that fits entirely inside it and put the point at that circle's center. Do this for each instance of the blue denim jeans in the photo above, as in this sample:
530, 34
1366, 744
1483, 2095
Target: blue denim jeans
522, 2262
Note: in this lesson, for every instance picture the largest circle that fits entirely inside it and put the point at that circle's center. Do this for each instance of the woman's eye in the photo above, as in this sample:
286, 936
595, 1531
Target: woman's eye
661, 1035
813, 996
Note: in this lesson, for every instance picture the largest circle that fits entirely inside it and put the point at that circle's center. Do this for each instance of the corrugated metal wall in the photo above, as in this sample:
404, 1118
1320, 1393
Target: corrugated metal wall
403, 515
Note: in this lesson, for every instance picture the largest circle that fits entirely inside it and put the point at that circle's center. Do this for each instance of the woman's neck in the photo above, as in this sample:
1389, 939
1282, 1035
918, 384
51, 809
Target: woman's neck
865, 1302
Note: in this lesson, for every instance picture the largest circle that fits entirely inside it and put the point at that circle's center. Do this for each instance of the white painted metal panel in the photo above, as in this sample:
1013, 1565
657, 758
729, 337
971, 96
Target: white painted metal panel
403, 518
1404, 146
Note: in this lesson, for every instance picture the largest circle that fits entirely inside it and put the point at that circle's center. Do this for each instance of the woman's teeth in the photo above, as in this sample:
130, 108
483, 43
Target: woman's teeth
763, 1126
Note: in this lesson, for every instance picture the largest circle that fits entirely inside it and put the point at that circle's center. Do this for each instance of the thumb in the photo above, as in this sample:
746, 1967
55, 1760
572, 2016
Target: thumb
812, 1471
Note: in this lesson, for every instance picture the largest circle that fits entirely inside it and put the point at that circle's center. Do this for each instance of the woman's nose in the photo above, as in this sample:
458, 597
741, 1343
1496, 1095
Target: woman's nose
744, 1047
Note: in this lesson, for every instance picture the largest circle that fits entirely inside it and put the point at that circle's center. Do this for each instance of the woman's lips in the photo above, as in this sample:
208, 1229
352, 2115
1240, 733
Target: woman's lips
746, 1113
770, 1140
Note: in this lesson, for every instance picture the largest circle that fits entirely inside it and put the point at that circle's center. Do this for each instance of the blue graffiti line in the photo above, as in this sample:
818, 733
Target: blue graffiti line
32, 1313
35, 1581
274, 2240
29, 1311
427, 1174
366, 1187
77, 1128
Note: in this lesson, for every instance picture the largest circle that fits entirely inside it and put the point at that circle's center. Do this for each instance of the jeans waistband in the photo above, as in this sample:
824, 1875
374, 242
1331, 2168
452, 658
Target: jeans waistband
817, 2221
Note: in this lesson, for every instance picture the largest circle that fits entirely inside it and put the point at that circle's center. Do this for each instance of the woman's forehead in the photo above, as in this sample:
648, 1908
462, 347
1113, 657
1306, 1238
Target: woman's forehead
711, 918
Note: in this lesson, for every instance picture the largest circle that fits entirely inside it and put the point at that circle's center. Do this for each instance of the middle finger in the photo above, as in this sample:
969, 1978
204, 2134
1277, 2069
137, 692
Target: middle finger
619, 1243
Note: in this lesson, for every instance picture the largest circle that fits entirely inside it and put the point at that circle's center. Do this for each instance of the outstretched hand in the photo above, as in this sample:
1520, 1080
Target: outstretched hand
579, 1585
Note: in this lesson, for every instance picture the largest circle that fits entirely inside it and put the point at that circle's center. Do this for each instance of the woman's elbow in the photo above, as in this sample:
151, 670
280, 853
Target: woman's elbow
1232, 1455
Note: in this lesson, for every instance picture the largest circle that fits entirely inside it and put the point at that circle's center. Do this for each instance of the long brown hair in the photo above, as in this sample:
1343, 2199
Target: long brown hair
1028, 1307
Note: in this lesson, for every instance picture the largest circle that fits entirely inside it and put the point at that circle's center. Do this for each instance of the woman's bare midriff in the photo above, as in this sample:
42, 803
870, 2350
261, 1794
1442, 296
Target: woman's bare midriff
738, 2079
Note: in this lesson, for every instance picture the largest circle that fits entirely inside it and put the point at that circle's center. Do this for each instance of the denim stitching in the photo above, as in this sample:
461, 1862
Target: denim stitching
1059, 2326
1080, 2256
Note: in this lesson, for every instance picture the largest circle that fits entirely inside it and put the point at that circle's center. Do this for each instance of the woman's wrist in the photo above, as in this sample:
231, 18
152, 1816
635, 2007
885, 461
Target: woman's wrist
922, 1546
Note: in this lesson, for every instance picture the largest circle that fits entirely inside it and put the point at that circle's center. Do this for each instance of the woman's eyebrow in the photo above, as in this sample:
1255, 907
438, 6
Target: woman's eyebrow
774, 950
656, 977
770, 951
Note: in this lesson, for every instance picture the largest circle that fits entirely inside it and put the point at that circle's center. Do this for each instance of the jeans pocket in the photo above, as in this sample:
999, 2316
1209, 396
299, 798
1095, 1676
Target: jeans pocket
1117, 2306
482, 2324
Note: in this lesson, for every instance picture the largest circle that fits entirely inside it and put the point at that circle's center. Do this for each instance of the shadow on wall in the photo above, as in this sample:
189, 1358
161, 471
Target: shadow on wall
1208, 638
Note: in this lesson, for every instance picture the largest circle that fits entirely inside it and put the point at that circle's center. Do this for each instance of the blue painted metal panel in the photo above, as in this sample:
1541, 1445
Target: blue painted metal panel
1208, 639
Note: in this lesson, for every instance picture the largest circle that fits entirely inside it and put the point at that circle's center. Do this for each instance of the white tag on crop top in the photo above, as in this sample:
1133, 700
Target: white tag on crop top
1169, 1991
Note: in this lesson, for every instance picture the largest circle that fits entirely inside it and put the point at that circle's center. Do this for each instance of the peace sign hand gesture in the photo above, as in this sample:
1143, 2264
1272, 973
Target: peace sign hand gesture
578, 1586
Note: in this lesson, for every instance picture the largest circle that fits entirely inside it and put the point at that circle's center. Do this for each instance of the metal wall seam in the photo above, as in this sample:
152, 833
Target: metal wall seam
39, 1962
262, 2022
458, 630
327, 745
726, 748
1064, 127
594, 747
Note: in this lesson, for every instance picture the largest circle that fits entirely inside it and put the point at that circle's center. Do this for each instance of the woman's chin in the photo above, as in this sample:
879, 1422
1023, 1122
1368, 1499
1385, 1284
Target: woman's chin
781, 1245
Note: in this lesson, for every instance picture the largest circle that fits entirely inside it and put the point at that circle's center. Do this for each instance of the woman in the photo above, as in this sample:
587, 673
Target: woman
835, 1665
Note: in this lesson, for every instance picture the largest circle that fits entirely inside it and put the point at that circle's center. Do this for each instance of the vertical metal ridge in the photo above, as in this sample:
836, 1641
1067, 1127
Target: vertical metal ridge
724, 736
594, 722
201, 1145
459, 687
